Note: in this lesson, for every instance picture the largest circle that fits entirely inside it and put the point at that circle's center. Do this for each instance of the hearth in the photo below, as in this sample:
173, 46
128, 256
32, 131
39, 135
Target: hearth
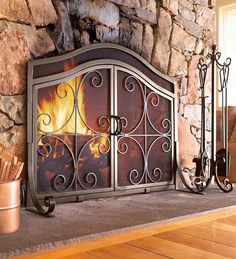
101, 122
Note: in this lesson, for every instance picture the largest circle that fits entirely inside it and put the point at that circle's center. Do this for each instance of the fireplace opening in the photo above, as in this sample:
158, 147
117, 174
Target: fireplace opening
101, 122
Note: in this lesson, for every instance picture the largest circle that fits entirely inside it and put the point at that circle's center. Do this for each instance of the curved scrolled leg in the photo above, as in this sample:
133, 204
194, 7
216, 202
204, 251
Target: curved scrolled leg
186, 185
180, 173
226, 185
49, 203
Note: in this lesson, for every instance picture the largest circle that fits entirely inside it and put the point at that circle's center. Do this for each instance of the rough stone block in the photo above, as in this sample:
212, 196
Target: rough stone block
72, 7
186, 3
152, 6
172, 5
105, 34
14, 107
15, 10
201, 2
148, 41
161, 51
11, 140
199, 46
101, 11
130, 12
14, 56
183, 85
131, 34
183, 99
178, 65
84, 40
181, 40
18, 44
125, 32
39, 41
43, 12
187, 13
5, 122
192, 28
205, 17
143, 3
193, 114
63, 34
146, 15
186, 152
136, 37
209, 38
129, 3
212, 3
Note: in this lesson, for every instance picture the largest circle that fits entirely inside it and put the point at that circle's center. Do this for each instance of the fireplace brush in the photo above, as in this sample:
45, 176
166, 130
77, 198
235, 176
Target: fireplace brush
10, 170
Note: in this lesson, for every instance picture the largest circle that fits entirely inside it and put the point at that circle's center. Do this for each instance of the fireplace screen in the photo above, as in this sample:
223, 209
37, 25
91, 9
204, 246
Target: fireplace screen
99, 126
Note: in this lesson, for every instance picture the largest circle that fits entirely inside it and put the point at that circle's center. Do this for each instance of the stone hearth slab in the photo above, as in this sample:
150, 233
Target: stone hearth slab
74, 222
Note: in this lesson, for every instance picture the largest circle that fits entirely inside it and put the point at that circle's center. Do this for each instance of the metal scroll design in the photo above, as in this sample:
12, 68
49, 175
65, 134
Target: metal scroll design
46, 139
46, 118
145, 175
89, 180
209, 166
71, 180
96, 81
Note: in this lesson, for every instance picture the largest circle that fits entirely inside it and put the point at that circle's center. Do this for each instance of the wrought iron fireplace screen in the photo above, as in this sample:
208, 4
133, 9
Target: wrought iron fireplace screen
98, 128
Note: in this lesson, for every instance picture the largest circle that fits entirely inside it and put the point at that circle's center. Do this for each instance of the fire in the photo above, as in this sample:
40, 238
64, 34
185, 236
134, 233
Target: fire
58, 104
97, 148
57, 115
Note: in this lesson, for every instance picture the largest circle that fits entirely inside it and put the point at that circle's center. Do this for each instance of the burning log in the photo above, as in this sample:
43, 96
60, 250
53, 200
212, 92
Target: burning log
10, 170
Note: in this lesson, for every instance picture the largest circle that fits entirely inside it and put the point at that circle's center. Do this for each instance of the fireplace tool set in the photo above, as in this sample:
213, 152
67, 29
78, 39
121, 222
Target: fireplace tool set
216, 165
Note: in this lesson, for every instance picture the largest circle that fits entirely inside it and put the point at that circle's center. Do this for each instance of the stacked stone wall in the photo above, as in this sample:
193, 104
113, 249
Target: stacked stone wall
170, 34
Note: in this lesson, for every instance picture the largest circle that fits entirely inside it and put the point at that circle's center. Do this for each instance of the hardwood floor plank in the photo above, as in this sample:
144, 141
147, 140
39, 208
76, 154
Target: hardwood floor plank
172, 249
199, 243
228, 220
212, 232
232, 217
75, 256
122, 251
225, 226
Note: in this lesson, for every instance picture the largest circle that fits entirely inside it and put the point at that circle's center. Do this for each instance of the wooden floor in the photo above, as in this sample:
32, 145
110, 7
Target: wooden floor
208, 236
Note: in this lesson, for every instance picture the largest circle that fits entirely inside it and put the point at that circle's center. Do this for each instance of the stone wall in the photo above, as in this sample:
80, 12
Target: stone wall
170, 34
23, 36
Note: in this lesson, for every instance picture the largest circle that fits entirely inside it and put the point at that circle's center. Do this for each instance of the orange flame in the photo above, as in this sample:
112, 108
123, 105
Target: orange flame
98, 147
